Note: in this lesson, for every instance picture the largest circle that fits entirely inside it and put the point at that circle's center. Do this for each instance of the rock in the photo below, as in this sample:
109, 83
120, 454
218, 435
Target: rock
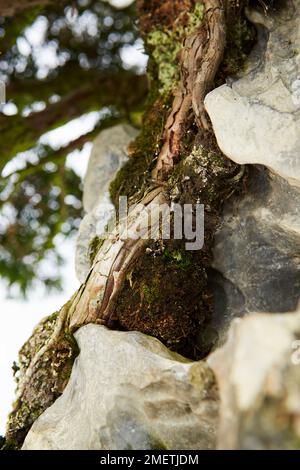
109, 153
256, 250
127, 391
258, 373
257, 119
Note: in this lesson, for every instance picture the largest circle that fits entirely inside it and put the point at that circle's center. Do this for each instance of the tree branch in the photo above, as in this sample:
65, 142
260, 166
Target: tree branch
13, 7
19, 134
200, 59
63, 152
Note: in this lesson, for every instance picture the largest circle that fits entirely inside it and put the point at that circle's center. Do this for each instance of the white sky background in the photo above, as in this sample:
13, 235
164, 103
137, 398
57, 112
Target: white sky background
19, 317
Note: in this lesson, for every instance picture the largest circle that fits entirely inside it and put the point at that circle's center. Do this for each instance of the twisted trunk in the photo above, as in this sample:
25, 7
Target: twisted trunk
153, 286
199, 60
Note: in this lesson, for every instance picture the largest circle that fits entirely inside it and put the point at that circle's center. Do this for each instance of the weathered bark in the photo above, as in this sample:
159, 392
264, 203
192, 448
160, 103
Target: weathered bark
96, 299
200, 58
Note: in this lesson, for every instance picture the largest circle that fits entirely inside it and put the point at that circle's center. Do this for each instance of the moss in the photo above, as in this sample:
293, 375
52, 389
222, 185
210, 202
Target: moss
164, 297
166, 294
241, 37
150, 292
48, 380
154, 14
94, 247
135, 175
9, 444
166, 44
181, 258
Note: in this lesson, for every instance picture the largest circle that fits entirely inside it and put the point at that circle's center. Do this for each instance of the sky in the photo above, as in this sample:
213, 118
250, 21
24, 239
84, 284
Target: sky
19, 317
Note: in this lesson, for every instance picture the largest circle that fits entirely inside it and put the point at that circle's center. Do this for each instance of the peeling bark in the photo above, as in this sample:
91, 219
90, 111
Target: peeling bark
199, 60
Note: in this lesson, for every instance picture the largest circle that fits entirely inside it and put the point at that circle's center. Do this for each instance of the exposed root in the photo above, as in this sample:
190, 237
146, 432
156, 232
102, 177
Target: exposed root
95, 301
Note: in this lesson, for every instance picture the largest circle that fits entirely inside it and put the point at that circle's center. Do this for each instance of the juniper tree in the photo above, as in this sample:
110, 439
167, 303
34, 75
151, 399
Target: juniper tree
153, 286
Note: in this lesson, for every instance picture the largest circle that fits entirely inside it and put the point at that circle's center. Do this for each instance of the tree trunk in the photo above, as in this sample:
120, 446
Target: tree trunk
154, 286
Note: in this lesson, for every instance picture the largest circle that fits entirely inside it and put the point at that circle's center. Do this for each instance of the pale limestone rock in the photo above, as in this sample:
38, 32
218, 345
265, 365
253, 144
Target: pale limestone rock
127, 391
109, 153
257, 118
258, 373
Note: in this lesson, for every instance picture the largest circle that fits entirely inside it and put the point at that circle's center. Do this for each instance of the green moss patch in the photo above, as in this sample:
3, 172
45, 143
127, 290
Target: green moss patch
48, 381
165, 45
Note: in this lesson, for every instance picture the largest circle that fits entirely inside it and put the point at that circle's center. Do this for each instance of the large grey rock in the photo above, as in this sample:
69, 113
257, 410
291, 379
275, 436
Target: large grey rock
256, 250
258, 373
127, 391
109, 153
257, 118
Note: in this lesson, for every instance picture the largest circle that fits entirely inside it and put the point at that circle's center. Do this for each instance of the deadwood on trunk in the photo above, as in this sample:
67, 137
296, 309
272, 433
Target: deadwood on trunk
200, 58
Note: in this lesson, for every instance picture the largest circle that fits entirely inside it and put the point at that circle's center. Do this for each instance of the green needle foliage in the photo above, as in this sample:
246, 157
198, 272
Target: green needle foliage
40, 196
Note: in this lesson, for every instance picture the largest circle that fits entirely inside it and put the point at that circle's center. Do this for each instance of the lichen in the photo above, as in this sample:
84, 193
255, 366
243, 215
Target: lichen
166, 44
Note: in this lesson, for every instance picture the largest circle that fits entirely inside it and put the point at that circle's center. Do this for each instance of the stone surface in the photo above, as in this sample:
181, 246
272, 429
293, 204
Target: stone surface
257, 118
109, 153
258, 373
127, 391
256, 251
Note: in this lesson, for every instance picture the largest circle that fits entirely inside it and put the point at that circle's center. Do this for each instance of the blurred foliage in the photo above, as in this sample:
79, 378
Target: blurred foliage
58, 62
